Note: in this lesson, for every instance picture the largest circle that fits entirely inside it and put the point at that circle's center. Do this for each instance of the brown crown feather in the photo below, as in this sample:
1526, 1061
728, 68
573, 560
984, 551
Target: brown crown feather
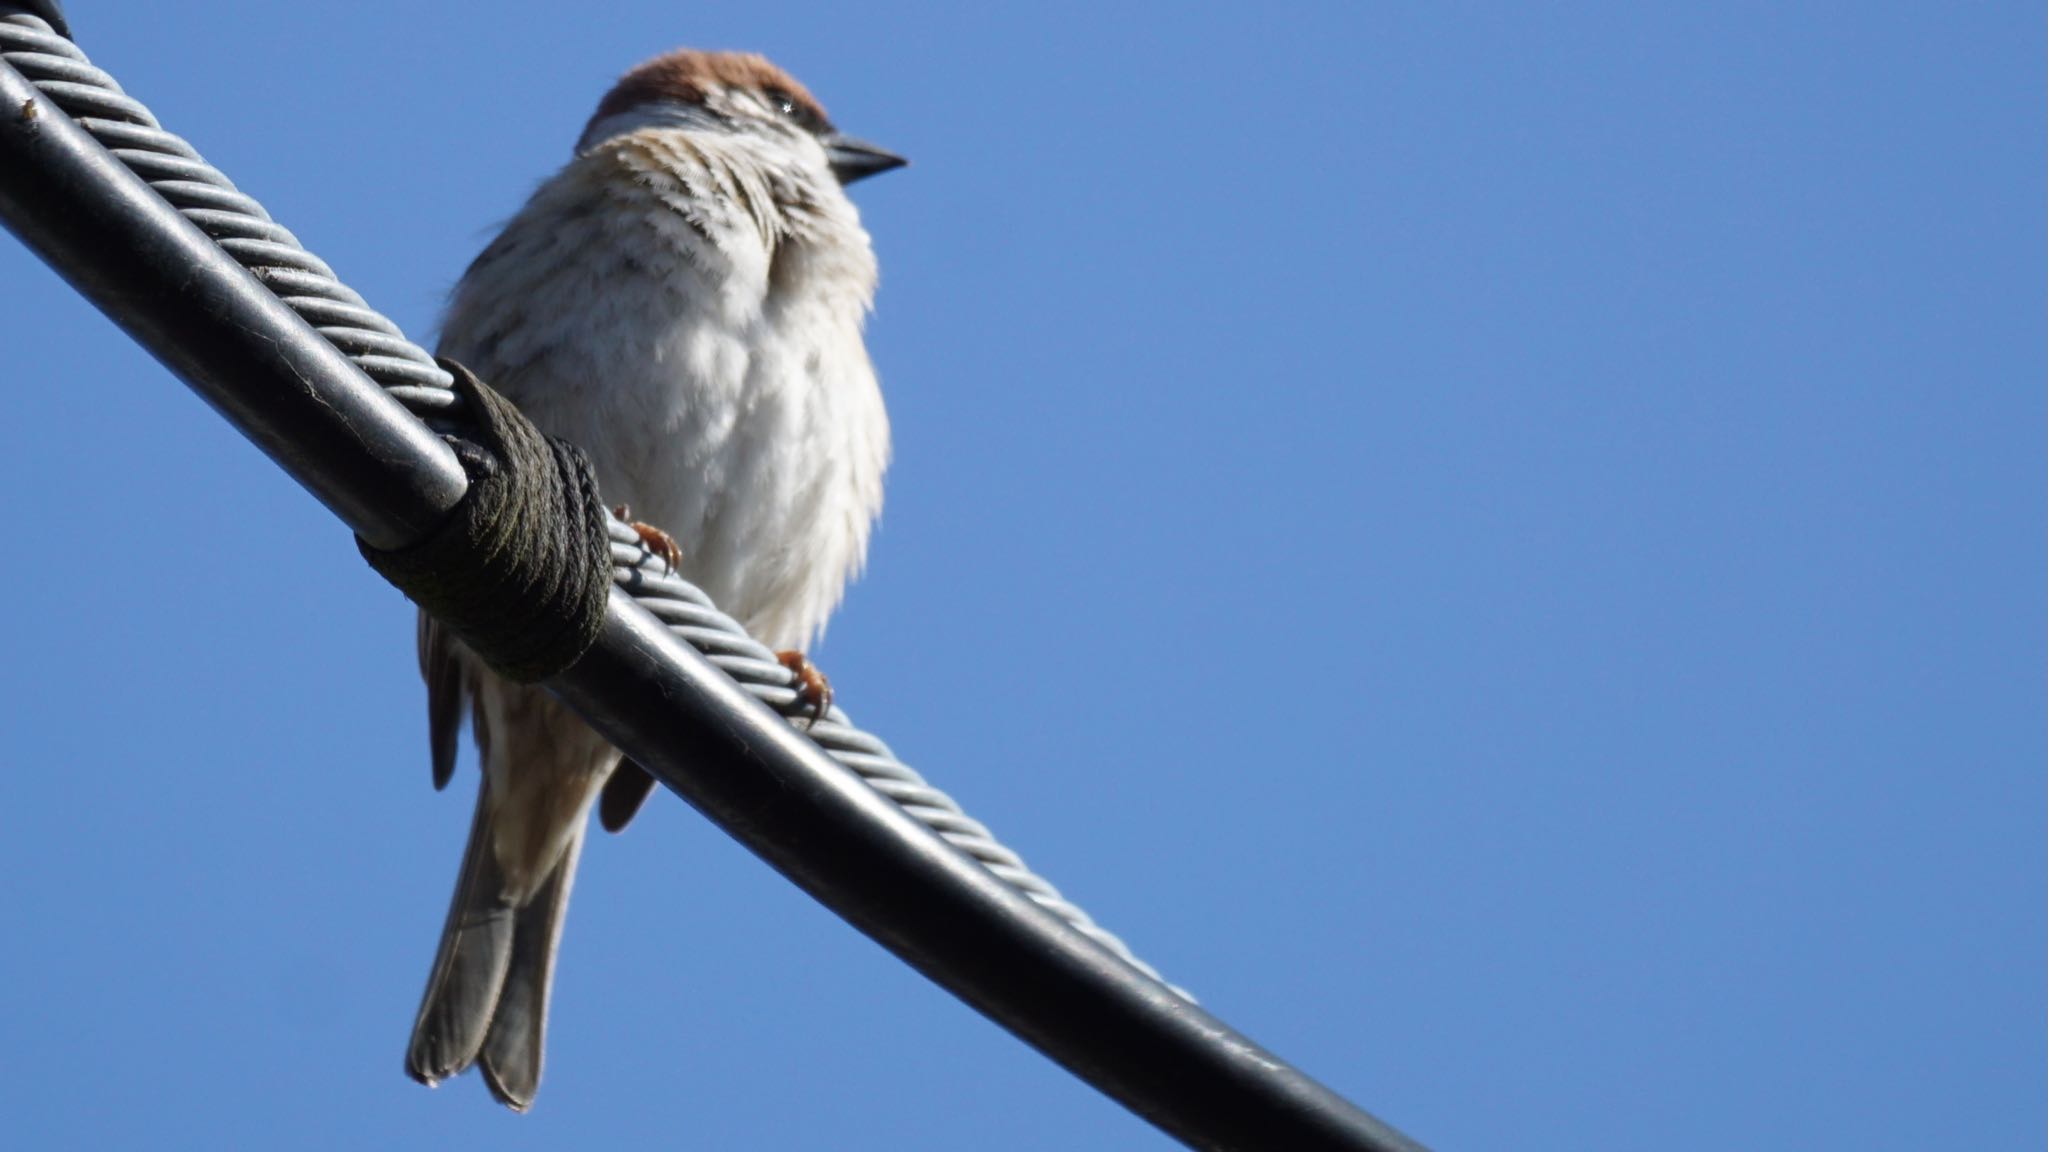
685, 75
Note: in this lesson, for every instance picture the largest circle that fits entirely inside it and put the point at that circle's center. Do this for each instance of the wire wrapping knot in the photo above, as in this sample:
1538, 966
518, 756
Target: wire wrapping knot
521, 568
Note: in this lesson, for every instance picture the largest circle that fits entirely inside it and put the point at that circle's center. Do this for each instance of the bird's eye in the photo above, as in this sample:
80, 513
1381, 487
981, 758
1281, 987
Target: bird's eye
800, 112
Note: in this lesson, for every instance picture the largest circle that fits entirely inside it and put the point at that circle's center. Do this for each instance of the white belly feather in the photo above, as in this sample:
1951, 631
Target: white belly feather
712, 369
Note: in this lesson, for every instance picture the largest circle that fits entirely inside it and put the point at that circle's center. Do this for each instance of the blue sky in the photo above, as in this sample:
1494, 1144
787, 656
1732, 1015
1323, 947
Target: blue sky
1502, 546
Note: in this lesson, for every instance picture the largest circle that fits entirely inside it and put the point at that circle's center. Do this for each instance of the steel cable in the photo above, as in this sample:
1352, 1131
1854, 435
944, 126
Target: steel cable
243, 229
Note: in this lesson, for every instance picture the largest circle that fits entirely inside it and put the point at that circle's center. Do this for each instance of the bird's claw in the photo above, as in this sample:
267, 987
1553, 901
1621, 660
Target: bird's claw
811, 686
653, 539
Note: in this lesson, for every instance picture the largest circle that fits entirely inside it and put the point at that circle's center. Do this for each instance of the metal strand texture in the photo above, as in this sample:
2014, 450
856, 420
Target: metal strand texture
305, 283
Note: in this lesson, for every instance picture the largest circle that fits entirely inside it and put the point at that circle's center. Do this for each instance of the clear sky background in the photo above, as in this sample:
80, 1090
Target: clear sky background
1501, 545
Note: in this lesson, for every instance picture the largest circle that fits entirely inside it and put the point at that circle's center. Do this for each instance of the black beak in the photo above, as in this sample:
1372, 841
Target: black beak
857, 159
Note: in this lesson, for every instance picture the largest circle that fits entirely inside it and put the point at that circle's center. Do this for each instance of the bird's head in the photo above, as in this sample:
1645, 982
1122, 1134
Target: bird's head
732, 92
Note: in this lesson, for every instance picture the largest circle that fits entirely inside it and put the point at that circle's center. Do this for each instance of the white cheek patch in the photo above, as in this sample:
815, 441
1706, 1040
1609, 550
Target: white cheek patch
646, 116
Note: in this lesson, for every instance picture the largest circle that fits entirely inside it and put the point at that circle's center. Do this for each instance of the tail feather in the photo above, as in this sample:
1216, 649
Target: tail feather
487, 995
517, 1042
477, 947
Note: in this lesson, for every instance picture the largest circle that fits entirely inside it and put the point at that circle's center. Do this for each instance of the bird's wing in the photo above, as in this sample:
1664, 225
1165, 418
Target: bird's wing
447, 696
623, 795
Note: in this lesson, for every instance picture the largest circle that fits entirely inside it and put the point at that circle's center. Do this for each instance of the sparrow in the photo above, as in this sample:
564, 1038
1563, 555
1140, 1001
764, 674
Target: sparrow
685, 301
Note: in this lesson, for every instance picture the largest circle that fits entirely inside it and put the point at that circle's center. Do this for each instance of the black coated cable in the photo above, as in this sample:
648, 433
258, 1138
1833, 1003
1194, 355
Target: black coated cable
381, 471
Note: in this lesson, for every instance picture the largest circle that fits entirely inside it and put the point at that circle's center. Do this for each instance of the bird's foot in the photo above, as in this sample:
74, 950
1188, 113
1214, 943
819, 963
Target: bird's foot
653, 539
811, 686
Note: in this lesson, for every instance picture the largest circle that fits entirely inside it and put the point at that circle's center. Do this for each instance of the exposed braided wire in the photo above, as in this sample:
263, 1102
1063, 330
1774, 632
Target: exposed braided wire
408, 373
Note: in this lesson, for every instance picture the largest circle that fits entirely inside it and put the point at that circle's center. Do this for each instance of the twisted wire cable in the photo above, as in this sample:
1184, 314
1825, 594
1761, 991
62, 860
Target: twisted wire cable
236, 222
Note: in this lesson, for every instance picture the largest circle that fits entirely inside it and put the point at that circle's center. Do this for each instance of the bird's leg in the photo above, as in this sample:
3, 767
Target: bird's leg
811, 686
653, 539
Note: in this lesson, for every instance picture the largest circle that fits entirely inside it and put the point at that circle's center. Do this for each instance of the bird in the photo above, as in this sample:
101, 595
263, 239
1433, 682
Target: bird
686, 301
